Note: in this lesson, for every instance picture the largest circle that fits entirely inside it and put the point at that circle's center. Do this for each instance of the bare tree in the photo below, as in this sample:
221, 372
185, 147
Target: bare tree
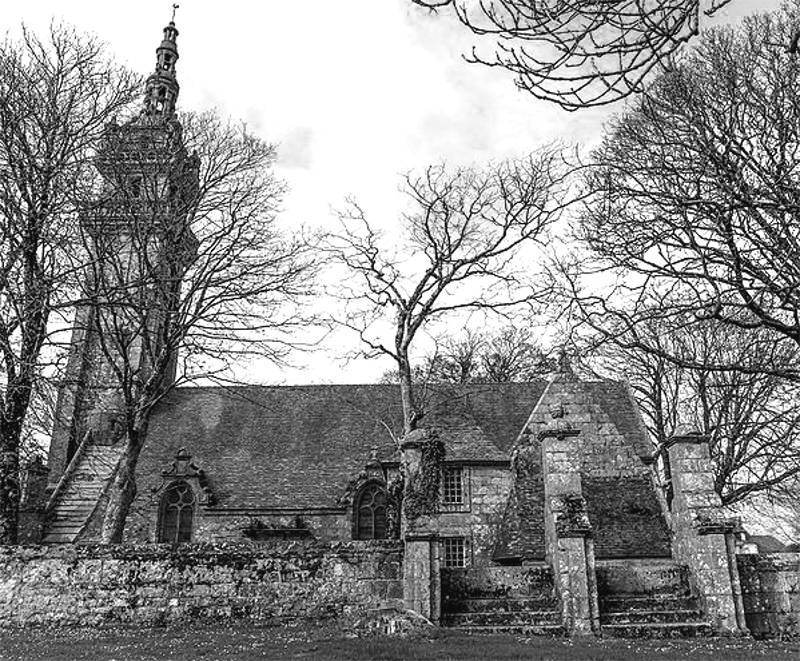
513, 354
188, 262
466, 233
695, 203
509, 354
56, 94
752, 419
581, 53
779, 510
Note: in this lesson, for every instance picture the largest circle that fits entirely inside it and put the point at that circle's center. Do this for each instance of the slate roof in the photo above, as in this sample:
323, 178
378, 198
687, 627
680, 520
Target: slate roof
299, 446
766, 543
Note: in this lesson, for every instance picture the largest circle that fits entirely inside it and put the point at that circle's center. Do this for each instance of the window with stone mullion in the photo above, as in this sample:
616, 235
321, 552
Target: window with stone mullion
454, 552
453, 491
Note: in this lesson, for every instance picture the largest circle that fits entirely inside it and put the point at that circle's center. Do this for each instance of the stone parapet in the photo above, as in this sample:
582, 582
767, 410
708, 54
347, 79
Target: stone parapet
568, 532
151, 584
422, 591
702, 535
771, 593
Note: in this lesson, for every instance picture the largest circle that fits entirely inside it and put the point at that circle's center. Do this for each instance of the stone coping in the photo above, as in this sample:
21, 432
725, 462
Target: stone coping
199, 549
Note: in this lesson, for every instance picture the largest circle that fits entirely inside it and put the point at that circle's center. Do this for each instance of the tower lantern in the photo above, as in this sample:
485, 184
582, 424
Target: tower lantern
162, 88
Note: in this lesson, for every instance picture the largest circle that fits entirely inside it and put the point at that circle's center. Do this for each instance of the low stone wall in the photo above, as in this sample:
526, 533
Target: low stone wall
289, 581
771, 593
497, 582
642, 577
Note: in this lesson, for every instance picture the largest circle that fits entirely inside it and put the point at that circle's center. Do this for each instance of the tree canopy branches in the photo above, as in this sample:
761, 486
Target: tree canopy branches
56, 95
465, 232
580, 53
752, 419
694, 199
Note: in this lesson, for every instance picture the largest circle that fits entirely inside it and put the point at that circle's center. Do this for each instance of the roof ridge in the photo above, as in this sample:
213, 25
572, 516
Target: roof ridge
365, 385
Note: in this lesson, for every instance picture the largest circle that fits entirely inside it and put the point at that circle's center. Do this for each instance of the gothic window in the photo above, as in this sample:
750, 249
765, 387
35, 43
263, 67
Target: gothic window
454, 552
370, 513
177, 514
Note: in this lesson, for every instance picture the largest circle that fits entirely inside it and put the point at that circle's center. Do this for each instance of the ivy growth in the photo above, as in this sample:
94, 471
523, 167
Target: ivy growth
394, 505
422, 490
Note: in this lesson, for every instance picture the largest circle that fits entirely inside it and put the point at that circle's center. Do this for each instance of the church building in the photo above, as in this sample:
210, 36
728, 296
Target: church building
547, 497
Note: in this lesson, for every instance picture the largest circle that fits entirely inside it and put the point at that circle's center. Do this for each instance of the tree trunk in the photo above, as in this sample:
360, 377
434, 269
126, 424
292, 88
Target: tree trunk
17, 400
122, 491
9, 488
410, 415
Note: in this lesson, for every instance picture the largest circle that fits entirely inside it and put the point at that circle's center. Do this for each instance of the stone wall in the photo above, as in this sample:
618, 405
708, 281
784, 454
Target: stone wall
91, 585
488, 488
642, 576
219, 525
497, 582
771, 593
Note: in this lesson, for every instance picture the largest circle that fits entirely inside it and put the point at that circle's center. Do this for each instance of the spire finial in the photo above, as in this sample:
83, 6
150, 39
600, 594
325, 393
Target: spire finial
175, 8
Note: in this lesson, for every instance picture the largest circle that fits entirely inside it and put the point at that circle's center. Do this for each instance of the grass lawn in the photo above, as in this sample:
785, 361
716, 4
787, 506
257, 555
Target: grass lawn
244, 641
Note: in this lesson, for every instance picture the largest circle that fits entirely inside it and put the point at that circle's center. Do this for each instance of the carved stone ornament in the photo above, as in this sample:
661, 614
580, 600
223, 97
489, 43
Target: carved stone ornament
713, 522
373, 471
183, 468
571, 516
558, 427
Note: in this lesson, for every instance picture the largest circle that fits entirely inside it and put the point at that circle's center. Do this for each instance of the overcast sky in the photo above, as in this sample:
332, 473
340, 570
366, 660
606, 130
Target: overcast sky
355, 92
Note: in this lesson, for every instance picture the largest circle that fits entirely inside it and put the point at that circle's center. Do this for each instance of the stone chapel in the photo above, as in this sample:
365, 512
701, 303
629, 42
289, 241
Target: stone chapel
548, 512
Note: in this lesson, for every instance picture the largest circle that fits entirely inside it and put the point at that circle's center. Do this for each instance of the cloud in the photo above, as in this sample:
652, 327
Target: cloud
294, 150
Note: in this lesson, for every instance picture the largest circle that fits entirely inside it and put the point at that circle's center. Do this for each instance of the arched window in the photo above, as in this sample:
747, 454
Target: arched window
370, 513
177, 514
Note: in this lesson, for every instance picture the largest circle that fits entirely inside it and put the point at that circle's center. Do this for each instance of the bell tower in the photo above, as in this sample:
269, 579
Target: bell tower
139, 234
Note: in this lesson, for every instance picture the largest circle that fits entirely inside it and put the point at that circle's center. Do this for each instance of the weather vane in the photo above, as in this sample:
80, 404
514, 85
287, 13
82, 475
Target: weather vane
174, 9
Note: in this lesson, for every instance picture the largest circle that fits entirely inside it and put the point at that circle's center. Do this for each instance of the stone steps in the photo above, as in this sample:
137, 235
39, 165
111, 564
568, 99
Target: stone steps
635, 602
500, 618
78, 500
658, 630
649, 600
499, 599
649, 617
58, 538
528, 630
491, 604
82, 497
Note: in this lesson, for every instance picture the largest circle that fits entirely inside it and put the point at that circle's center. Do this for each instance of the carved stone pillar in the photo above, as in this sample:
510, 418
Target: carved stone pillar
421, 564
568, 533
422, 587
703, 537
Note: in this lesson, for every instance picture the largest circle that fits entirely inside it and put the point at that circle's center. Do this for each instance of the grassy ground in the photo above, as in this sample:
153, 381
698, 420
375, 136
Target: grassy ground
251, 642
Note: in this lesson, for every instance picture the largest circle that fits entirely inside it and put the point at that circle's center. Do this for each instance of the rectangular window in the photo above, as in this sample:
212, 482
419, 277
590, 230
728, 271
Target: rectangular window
454, 552
453, 485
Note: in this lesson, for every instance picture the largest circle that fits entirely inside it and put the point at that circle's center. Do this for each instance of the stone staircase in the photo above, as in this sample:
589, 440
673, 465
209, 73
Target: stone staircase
76, 499
648, 599
501, 600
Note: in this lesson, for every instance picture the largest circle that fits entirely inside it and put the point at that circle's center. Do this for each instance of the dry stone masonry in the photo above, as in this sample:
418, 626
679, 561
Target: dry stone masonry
157, 584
